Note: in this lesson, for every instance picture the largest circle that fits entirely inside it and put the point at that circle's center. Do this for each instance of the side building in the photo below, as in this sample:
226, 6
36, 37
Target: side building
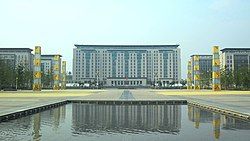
205, 66
235, 58
127, 65
47, 63
18, 56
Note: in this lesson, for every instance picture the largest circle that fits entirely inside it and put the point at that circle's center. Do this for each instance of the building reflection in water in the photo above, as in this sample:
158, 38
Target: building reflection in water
218, 121
52, 117
36, 126
126, 118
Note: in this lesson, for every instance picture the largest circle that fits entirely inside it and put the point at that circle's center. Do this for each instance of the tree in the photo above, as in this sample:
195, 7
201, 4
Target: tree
24, 77
183, 82
47, 79
159, 83
7, 75
237, 79
20, 76
227, 78
206, 79
28, 78
242, 79
172, 83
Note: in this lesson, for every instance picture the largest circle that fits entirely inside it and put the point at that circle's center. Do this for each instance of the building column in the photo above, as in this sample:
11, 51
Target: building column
216, 69
63, 75
196, 72
37, 69
56, 74
189, 76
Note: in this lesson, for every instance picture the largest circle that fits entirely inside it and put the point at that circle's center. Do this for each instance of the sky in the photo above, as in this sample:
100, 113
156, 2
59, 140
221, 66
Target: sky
56, 25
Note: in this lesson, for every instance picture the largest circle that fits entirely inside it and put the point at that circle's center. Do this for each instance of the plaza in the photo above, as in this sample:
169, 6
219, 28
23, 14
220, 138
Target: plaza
232, 101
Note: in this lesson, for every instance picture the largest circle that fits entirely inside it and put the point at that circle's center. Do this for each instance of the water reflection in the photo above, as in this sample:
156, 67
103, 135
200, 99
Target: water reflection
29, 127
218, 121
36, 127
125, 122
132, 119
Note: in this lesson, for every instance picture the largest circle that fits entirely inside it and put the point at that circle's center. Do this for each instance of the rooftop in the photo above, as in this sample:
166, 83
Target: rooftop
27, 49
127, 46
201, 55
235, 49
50, 55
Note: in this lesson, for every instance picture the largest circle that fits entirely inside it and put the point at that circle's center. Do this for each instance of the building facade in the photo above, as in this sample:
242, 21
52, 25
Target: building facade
205, 65
122, 65
47, 68
153, 118
235, 58
47, 63
18, 56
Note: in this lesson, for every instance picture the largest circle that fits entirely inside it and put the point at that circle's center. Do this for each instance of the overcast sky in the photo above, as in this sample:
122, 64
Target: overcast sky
57, 25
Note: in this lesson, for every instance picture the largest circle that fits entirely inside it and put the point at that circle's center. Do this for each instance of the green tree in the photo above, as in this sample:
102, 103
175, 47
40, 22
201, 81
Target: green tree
28, 78
242, 78
24, 77
227, 79
183, 82
47, 79
20, 77
237, 79
206, 79
7, 75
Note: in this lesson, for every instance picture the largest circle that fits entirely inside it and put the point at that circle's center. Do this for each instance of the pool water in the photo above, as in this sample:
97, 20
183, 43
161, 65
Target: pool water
94, 122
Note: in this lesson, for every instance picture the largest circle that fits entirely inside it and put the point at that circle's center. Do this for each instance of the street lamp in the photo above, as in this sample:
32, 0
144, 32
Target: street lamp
16, 82
155, 75
97, 76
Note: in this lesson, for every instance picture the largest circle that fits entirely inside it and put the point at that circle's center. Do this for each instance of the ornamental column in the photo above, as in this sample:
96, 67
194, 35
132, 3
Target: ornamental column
216, 69
216, 125
63, 87
196, 72
37, 69
56, 74
189, 76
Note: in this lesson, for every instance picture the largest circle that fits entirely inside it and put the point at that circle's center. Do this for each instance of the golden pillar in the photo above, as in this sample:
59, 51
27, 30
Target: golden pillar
216, 125
56, 75
189, 76
37, 126
63, 75
196, 72
37, 69
196, 117
216, 69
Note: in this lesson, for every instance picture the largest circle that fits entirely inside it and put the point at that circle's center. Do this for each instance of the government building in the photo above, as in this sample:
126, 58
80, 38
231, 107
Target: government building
235, 58
127, 65
18, 56
205, 65
47, 63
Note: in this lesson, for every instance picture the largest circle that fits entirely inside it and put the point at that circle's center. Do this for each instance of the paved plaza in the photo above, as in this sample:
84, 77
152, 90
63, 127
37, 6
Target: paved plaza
238, 101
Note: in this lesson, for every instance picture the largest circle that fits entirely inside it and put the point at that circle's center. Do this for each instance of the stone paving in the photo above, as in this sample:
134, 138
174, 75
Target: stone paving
231, 100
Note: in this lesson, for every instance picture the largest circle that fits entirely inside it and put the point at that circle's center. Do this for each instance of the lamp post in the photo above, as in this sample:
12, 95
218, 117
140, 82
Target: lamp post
97, 77
16, 82
156, 75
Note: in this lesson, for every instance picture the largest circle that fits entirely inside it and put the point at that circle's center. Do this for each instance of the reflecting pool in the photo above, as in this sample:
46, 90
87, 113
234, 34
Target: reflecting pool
125, 122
